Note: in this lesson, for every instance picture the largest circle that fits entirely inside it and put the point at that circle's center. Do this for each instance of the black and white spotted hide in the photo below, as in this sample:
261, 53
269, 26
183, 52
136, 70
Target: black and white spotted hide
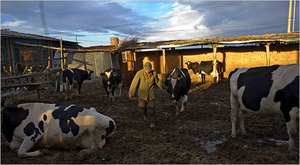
179, 83
70, 76
112, 78
54, 126
273, 89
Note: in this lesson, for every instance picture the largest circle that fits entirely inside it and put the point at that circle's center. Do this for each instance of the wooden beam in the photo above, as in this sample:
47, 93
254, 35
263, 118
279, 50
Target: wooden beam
164, 60
36, 45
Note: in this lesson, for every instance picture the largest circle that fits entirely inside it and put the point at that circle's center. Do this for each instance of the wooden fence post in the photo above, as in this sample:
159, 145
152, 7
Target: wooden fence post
268, 53
164, 60
215, 63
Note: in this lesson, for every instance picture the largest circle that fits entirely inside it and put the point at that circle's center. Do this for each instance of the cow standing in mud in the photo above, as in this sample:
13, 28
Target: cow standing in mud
206, 67
72, 75
179, 83
54, 126
111, 79
273, 89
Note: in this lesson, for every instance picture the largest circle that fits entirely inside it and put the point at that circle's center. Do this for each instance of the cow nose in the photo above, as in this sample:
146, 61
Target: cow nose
172, 97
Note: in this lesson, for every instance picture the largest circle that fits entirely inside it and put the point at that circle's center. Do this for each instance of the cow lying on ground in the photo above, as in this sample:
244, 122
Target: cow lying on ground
111, 79
54, 126
179, 83
71, 75
206, 67
266, 89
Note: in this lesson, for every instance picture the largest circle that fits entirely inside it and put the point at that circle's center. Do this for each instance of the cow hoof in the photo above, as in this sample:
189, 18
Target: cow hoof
293, 155
81, 155
152, 125
233, 136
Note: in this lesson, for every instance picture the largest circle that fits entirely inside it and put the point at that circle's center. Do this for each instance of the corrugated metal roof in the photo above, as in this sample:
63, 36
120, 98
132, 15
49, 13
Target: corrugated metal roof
14, 34
279, 37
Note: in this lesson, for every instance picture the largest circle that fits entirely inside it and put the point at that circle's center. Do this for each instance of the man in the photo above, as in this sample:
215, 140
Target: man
146, 78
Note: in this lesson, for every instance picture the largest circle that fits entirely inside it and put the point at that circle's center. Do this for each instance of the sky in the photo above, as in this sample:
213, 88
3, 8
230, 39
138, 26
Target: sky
93, 22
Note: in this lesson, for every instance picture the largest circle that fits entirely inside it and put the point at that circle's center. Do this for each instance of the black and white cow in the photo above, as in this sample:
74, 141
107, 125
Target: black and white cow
54, 126
178, 82
206, 67
111, 79
266, 89
71, 75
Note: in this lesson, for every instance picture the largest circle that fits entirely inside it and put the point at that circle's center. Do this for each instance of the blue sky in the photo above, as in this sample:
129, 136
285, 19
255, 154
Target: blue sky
94, 22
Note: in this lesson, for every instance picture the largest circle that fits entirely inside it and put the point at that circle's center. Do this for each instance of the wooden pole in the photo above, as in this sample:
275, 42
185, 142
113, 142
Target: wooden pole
111, 63
215, 63
290, 17
293, 29
61, 55
164, 60
268, 53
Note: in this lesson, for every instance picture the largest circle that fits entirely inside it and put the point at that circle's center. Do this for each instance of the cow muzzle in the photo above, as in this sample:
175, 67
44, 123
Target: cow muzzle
172, 97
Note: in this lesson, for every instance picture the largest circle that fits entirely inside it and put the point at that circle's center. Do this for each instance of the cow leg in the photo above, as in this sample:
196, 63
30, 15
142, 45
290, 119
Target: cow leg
96, 145
176, 106
79, 89
292, 128
120, 86
203, 78
242, 122
26, 145
184, 102
66, 88
234, 114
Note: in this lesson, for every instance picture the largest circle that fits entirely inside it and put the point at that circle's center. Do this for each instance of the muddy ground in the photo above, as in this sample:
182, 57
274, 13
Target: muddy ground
199, 135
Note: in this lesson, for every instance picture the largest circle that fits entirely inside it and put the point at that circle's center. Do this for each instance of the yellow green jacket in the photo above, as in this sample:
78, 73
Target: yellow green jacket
146, 84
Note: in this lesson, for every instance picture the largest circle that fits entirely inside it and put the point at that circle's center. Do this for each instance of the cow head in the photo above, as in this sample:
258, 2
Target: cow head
109, 82
87, 75
175, 80
189, 64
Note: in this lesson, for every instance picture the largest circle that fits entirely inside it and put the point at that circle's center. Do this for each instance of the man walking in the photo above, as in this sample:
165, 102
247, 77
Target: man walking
146, 78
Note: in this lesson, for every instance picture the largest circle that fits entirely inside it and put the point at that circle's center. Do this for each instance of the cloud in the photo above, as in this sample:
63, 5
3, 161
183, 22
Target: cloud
75, 16
183, 23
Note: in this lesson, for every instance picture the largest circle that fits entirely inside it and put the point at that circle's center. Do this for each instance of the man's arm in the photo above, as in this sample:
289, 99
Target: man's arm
134, 84
158, 82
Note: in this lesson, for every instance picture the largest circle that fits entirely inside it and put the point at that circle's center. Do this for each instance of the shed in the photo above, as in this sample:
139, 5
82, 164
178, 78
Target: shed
234, 52
18, 50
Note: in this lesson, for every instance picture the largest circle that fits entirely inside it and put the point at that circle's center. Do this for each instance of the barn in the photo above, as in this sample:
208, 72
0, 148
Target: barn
233, 52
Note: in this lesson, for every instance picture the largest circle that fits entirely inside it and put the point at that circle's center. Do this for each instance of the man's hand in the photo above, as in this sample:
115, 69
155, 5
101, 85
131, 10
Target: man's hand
129, 95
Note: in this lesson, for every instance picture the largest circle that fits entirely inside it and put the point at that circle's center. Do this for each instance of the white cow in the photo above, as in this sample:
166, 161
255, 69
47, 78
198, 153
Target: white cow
266, 89
54, 126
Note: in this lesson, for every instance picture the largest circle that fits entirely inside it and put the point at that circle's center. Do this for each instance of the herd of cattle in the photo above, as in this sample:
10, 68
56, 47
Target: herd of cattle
262, 89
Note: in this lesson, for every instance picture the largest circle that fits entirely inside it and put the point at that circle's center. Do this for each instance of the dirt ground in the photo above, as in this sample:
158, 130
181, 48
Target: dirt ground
199, 135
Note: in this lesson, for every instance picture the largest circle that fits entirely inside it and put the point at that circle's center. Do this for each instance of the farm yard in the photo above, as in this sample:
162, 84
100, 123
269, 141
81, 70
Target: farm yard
201, 134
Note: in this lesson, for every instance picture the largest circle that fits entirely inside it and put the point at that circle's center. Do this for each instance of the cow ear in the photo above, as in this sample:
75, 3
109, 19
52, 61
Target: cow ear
114, 73
102, 74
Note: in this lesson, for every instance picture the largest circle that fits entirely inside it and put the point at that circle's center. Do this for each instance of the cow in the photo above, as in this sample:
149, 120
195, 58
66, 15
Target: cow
71, 75
54, 126
266, 89
206, 67
178, 82
112, 78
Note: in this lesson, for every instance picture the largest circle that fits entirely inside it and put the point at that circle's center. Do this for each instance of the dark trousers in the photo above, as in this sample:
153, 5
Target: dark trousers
147, 107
